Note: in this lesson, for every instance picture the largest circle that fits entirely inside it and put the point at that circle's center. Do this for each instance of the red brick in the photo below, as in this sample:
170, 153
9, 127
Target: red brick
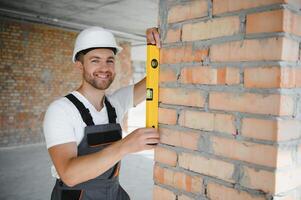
199, 75
249, 152
159, 176
34, 58
259, 129
160, 193
184, 197
217, 27
123, 69
167, 75
167, 116
228, 76
179, 96
272, 77
22, 116
188, 10
215, 191
271, 182
263, 77
182, 54
290, 77
271, 21
168, 176
259, 179
274, 21
222, 6
166, 156
224, 123
173, 35
210, 76
188, 183
292, 22
255, 50
273, 130
178, 180
207, 121
184, 139
252, 103
208, 166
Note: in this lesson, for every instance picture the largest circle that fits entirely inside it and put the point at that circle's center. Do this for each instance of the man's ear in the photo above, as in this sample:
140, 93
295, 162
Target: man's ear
79, 65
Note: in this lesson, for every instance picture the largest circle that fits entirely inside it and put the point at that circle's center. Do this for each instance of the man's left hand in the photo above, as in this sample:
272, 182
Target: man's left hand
153, 36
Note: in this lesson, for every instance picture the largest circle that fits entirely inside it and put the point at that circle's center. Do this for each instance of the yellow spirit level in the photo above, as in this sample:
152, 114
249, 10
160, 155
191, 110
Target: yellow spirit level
152, 86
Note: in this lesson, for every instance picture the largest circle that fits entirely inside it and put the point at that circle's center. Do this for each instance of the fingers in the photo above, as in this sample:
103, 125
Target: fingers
150, 39
152, 141
152, 136
153, 36
149, 36
149, 136
141, 139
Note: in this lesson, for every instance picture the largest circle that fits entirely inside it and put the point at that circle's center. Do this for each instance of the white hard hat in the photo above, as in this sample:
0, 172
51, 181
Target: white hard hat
94, 37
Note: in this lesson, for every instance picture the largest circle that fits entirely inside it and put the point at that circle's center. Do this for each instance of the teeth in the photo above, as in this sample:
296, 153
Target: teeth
102, 75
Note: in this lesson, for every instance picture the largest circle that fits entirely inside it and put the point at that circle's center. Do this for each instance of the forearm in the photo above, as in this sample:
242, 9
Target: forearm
83, 168
75, 169
140, 91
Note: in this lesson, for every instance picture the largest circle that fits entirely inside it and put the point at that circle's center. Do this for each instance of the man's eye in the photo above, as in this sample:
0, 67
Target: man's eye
110, 61
95, 61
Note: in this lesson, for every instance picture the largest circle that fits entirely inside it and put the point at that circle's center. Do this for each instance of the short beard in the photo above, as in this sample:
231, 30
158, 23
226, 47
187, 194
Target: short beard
101, 85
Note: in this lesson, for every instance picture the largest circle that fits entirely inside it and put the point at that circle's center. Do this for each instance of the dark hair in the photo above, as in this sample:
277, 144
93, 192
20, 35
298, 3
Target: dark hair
80, 55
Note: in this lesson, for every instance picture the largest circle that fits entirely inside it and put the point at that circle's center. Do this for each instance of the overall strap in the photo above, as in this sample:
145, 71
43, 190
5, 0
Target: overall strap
111, 111
84, 112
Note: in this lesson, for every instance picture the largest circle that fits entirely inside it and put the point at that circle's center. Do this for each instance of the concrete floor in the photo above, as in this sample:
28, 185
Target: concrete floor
25, 171
25, 174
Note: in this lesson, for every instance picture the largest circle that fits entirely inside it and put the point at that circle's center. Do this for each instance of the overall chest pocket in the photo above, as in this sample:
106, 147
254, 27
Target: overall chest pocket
102, 135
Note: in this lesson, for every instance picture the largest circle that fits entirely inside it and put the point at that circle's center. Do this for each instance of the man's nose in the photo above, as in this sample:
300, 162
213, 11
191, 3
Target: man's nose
104, 66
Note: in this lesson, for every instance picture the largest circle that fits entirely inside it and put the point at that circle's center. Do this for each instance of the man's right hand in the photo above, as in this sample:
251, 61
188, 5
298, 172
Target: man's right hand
74, 169
139, 140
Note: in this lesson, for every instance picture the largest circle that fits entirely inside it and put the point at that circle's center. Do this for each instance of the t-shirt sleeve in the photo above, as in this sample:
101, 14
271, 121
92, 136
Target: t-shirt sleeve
123, 100
57, 127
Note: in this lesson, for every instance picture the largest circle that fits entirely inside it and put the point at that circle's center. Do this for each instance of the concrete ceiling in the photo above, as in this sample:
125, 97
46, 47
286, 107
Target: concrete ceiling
128, 19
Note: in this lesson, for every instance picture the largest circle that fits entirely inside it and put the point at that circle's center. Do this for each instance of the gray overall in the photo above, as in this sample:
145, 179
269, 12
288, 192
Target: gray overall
106, 186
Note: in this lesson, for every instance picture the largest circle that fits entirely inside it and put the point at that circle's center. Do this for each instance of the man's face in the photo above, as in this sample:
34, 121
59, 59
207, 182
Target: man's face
99, 68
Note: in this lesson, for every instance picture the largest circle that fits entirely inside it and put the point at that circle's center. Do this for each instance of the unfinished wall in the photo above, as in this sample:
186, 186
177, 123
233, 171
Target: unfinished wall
229, 115
35, 69
124, 72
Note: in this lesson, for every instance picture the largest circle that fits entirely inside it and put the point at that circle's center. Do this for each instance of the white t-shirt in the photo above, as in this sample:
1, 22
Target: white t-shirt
63, 122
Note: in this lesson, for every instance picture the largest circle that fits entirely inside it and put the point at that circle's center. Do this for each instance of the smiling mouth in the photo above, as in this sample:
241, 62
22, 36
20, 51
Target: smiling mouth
102, 76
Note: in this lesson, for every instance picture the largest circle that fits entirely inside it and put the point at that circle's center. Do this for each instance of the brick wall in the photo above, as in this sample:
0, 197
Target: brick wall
229, 100
35, 69
123, 74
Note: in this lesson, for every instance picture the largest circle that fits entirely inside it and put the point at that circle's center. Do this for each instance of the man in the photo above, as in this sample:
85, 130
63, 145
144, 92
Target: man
82, 130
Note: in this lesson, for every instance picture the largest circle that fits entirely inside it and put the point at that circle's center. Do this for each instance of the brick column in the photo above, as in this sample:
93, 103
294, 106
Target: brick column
230, 106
